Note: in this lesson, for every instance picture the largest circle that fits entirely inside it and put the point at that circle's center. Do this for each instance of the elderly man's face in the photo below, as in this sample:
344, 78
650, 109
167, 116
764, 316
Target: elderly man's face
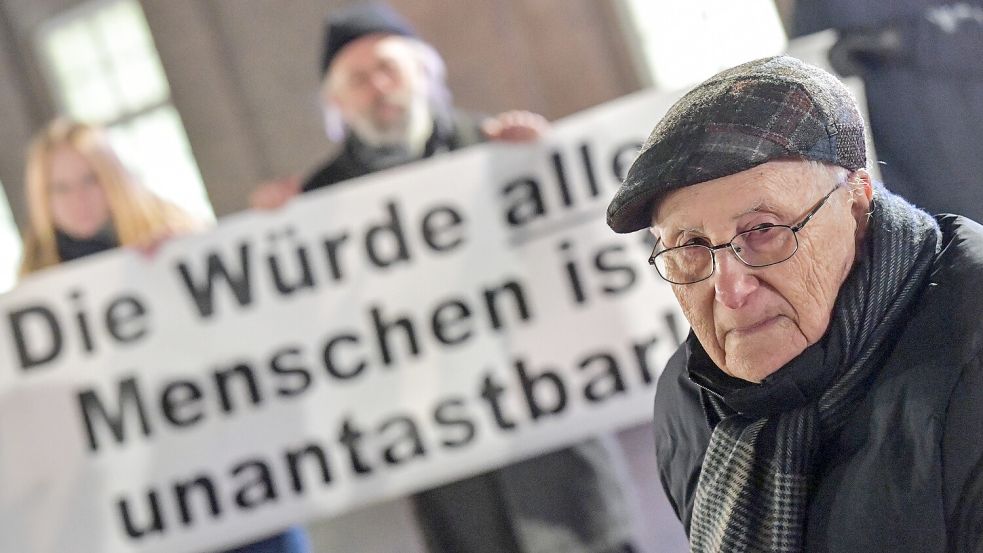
752, 321
377, 82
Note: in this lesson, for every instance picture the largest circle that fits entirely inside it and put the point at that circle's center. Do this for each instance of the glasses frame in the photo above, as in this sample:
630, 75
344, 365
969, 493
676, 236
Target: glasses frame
713, 249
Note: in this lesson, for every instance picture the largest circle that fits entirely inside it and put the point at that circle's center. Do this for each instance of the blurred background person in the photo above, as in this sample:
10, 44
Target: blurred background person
385, 99
922, 68
385, 102
82, 201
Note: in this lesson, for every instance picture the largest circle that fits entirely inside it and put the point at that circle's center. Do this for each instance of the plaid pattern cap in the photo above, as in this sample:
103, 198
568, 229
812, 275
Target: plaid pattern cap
767, 109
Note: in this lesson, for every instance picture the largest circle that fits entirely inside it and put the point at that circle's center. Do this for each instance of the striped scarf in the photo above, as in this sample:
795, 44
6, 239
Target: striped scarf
754, 488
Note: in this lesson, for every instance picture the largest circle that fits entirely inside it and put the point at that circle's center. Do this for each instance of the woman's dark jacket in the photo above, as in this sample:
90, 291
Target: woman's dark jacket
905, 474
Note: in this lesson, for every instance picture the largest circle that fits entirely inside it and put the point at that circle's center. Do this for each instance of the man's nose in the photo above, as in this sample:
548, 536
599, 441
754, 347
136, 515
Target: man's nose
380, 82
733, 282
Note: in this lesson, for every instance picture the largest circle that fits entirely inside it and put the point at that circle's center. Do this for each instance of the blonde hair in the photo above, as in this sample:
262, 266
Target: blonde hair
138, 215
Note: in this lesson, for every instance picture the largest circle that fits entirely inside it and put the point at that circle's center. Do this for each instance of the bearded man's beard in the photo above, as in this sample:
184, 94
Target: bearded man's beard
407, 129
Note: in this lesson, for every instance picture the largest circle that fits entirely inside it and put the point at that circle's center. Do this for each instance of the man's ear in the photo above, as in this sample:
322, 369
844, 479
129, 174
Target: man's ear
328, 92
861, 197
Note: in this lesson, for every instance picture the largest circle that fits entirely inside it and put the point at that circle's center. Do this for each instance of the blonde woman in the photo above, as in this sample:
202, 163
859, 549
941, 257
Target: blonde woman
82, 200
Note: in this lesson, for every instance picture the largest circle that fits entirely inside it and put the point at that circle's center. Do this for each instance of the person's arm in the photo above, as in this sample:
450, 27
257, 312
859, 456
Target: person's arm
515, 126
962, 462
273, 194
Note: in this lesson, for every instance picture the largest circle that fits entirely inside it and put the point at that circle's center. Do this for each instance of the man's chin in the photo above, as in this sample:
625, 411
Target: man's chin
757, 366
757, 356
390, 117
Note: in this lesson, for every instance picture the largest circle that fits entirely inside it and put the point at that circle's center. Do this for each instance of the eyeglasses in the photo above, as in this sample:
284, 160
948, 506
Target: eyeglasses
758, 247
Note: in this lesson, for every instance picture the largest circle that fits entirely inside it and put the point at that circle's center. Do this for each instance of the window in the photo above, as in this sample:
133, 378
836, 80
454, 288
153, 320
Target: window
10, 246
681, 42
104, 68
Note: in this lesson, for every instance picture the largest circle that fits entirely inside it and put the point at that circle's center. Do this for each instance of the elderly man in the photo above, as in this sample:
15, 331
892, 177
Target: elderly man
385, 99
830, 394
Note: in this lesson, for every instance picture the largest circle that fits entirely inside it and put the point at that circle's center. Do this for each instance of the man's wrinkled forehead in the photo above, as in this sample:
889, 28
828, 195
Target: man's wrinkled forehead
680, 220
773, 187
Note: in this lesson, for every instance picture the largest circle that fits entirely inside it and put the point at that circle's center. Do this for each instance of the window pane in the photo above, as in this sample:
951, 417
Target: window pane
92, 100
134, 65
685, 41
78, 68
123, 25
71, 47
156, 146
139, 79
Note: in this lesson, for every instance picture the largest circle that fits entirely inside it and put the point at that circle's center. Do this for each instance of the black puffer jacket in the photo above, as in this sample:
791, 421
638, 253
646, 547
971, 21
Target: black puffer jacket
905, 474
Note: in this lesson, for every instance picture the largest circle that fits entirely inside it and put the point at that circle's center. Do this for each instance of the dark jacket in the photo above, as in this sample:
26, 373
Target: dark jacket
905, 474
923, 88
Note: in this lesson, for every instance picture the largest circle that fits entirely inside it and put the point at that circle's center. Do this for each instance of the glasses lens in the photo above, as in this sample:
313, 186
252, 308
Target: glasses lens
765, 246
685, 265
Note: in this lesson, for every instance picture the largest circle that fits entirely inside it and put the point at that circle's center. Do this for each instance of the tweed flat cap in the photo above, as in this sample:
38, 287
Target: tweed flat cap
772, 108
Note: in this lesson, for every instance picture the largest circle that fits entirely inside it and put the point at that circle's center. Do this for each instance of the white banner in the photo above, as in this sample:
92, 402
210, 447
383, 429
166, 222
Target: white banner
390, 334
